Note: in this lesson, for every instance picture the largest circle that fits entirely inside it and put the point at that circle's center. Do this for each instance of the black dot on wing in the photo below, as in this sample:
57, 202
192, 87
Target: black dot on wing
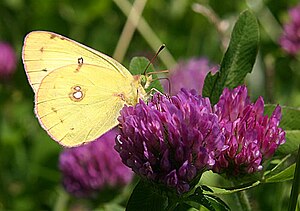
80, 63
52, 36
54, 109
45, 70
80, 60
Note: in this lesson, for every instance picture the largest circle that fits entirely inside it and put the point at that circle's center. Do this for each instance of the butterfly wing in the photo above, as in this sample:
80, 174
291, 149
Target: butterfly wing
76, 104
44, 52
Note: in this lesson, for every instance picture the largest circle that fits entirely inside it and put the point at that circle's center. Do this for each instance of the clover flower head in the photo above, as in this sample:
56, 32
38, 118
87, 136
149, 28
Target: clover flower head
290, 39
8, 60
89, 169
250, 136
170, 140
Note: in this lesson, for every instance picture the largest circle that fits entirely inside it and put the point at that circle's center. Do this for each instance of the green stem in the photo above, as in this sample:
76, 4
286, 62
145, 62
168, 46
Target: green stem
243, 200
129, 29
148, 34
61, 201
296, 185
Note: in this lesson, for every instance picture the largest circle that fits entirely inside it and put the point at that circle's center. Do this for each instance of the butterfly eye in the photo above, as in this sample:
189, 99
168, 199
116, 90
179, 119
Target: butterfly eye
143, 80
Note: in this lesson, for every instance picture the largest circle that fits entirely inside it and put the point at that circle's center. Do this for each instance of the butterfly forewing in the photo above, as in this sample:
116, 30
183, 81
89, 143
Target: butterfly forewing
44, 52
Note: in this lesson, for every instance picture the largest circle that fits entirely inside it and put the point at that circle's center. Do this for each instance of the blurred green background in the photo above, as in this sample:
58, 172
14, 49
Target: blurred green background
29, 174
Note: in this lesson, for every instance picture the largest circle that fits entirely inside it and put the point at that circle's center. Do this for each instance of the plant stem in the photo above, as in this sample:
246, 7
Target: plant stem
221, 25
129, 29
296, 184
243, 200
61, 201
148, 34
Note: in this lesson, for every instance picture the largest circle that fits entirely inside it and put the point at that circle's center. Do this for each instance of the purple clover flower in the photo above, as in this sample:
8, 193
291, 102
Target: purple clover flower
250, 137
290, 40
8, 60
90, 168
189, 75
170, 140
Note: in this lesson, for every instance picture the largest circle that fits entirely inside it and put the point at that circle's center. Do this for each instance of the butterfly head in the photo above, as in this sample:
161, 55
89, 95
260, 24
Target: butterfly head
145, 80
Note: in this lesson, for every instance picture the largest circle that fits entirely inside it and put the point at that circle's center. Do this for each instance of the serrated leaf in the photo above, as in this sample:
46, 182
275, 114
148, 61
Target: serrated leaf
286, 174
238, 59
145, 198
138, 65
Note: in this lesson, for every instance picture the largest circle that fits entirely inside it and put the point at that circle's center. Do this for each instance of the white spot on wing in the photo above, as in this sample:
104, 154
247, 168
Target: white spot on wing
77, 93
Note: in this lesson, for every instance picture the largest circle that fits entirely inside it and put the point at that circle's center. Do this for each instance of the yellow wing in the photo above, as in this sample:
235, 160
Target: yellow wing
43, 52
76, 104
78, 91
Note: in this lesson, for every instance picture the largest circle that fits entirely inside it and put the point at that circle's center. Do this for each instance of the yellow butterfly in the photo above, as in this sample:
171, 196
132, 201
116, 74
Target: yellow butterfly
79, 91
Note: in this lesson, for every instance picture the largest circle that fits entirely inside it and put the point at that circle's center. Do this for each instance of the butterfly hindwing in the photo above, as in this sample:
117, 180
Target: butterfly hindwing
75, 104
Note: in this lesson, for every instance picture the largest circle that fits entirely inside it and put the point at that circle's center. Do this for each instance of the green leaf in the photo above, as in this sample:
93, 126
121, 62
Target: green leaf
225, 191
286, 174
238, 59
200, 200
210, 202
279, 164
290, 123
217, 203
144, 197
138, 65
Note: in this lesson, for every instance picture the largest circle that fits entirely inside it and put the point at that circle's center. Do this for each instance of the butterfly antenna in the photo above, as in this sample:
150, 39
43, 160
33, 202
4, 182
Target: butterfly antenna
154, 57
169, 83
